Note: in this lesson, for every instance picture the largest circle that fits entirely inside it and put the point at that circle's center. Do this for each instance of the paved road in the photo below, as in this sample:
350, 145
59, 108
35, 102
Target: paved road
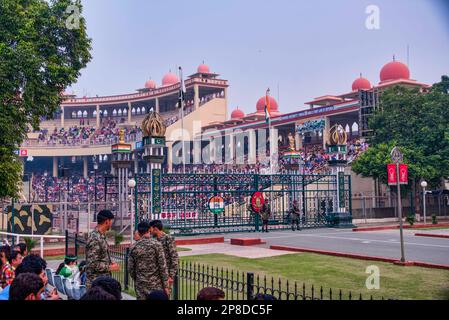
383, 243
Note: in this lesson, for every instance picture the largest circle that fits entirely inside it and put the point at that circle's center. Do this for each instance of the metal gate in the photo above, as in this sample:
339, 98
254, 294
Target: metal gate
184, 203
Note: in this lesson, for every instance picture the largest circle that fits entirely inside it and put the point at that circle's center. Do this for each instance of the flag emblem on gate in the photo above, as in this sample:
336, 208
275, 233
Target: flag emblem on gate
216, 205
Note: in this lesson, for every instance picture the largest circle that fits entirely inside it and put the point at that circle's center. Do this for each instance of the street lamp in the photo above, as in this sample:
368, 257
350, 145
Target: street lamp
424, 186
132, 184
95, 185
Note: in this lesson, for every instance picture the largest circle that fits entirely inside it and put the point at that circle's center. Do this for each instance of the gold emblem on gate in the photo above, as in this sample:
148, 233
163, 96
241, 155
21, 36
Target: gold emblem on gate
153, 125
338, 135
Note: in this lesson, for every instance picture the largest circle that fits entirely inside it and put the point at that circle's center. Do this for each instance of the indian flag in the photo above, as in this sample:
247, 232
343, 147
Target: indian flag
267, 106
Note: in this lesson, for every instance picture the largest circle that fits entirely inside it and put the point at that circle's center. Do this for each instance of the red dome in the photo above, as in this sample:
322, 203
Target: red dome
150, 84
237, 114
261, 105
169, 79
203, 68
393, 71
361, 84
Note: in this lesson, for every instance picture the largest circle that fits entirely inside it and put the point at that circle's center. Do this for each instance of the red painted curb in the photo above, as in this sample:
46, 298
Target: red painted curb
362, 257
416, 226
184, 242
432, 235
246, 241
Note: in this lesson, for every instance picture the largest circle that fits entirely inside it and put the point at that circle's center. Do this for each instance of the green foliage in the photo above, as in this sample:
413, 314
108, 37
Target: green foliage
410, 219
30, 243
118, 238
434, 219
39, 58
418, 124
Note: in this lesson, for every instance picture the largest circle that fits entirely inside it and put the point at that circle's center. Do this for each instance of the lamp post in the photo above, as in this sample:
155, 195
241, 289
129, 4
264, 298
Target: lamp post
132, 185
95, 185
424, 186
46, 186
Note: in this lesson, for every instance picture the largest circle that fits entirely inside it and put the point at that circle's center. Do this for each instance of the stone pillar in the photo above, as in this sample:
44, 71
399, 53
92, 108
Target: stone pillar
85, 167
196, 96
252, 147
327, 127
62, 116
129, 112
170, 157
55, 167
98, 116
157, 105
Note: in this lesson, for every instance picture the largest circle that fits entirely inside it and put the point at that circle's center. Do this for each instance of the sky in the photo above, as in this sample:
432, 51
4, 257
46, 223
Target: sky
299, 49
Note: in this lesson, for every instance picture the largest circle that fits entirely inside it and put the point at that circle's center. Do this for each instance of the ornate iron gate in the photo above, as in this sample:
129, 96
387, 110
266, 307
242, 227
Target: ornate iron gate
185, 198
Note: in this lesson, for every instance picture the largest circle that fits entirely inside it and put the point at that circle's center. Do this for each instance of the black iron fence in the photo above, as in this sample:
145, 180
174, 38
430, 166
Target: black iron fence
237, 285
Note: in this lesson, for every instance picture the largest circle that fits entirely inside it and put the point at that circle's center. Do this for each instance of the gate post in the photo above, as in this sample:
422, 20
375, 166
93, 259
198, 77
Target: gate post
126, 280
249, 286
256, 215
176, 287
66, 242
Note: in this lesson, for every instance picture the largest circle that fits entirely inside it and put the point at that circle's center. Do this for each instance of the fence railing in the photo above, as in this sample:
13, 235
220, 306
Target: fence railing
15, 238
237, 285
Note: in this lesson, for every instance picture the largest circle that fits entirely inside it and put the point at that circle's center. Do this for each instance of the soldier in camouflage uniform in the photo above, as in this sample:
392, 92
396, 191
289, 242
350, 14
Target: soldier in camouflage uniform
98, 260
169, 245
265, 215
295, 215
147, 265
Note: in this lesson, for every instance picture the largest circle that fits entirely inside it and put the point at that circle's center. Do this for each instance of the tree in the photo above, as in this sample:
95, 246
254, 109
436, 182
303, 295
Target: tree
418, 124
43, 47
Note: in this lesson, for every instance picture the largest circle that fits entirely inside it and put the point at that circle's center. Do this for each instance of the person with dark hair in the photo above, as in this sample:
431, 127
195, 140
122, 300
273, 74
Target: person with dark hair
266, 297
146, 264
295, 215
68, 269
22, 248
7, 276
110, 285
210, 293
157, 295
98, 259
169, 245
26, 286
33, 264
4, 253
97, 294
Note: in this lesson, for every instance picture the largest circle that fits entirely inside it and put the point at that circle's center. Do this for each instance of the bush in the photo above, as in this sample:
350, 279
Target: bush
410, 219
30, 243
118, 237
434, 219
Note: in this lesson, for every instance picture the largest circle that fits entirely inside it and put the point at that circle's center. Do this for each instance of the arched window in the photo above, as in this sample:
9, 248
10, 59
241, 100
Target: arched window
138, 110
80, 114
347, 129
95, 113
114, 113
125, 112
119, 112
133, 111
355, 127
105, 113
73, 114
143, 110
85, 114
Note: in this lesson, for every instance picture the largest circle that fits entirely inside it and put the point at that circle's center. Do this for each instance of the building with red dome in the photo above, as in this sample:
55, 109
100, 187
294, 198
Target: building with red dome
394, 70
169, 79
361, 84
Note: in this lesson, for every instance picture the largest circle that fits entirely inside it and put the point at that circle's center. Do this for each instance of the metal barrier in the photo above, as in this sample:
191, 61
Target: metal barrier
15, 238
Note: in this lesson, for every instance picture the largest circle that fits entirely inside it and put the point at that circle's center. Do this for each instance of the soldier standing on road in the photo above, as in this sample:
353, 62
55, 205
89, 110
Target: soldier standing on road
98, 260
265, 215
295, 213
147, 265
169, 245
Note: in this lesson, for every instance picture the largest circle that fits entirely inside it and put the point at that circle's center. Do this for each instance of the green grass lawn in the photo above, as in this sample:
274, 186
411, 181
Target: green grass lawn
396, 282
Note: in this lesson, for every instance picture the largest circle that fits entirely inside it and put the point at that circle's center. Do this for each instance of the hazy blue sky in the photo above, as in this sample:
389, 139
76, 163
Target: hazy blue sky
308, 48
